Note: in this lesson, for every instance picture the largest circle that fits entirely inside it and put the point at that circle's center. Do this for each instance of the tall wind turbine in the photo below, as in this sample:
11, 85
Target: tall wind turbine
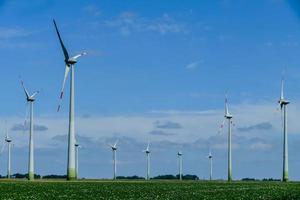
30, 99
147, 151
228, 116
8, 140
283, 103
70, 62
77, 146
114, 150
179, 156
210, 164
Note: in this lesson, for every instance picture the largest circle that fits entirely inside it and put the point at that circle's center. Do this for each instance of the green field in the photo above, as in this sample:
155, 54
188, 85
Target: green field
147, 190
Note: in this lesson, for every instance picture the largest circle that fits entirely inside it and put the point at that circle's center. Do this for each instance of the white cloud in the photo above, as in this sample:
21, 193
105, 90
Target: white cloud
225, 146
192, 65
7, 33
260, 146
129, 22
194, 125
92, 10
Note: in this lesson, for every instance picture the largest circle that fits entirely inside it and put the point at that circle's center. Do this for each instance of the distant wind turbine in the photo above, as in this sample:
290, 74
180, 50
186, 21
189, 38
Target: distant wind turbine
228, 116
179, 156
30, 99
283, 103
210, 157
70, 62
114, 150
147, 151
8, 140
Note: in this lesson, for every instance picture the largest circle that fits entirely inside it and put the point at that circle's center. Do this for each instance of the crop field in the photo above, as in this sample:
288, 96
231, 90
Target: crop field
165, 190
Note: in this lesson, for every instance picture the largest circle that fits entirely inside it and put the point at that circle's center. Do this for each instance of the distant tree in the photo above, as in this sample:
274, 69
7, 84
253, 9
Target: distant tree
167, 177
189, 177
23, 176
54, 176
249, 179
270, 179
18, 175
135, 177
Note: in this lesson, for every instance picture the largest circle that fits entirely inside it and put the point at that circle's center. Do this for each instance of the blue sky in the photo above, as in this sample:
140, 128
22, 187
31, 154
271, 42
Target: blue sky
155, 70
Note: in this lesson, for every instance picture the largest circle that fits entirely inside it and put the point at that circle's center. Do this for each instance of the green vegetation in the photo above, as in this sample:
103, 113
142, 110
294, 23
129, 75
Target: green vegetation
110, 190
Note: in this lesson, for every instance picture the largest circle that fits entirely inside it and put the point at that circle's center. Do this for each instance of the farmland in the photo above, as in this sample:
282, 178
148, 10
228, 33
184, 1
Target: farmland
148, 190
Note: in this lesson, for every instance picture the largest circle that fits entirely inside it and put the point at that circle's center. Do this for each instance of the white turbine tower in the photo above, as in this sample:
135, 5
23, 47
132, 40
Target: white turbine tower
283, 103
8, 140
77, 146
147, 151
179, 157
114, 151
228, 117
70, 62
30, 99
210, 157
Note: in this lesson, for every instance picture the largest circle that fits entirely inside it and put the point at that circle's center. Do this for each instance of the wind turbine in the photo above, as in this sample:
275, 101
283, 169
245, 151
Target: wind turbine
147, 151
179, 156
70, 62
30, 99
210, 157
114, 150
8, 140
283, 103
77, 146
228, 116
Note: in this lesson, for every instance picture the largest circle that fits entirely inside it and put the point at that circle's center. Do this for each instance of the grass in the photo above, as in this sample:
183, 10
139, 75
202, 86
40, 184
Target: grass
185, 190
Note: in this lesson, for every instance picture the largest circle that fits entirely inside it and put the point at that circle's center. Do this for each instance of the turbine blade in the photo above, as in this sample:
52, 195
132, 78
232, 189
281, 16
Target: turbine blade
116, 143
63, 86
221, 127
61, 43
2, 149
281, 94
26, 117
6, 132
34, 94
25, 91
148, 146
226, 105
79, 55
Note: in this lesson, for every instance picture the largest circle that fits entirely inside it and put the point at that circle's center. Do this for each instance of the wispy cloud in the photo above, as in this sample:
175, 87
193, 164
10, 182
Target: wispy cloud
129, 22
260, 126
184, 125
7, 33
260, 146
167, 125
36, 127
192, 65
92, 10
160, 132
183, 112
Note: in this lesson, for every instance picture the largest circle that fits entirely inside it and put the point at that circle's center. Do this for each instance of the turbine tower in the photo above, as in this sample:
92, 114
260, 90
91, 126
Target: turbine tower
70, 62
228, 116
147, 151
77, 146
210, 164
30, 99
283, 103
8, 140
179, 156
114, 150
